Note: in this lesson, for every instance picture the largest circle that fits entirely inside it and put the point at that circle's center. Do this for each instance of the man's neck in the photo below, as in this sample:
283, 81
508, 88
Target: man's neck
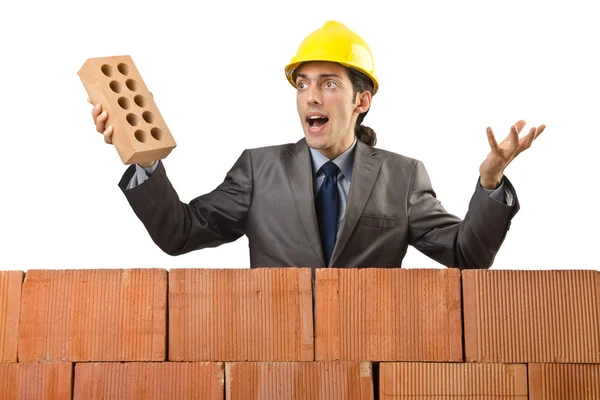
333, 152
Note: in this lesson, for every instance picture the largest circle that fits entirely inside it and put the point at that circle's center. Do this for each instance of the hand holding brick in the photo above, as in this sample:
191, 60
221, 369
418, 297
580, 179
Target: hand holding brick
140, 132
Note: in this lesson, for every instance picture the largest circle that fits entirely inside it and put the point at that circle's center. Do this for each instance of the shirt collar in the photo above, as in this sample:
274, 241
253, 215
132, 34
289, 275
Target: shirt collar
344, 161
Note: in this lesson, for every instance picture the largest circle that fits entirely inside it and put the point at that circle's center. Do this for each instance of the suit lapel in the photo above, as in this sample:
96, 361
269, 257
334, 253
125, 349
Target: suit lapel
297, 164
367, 162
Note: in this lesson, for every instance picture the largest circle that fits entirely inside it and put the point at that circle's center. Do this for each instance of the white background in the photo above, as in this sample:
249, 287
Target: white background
447, 69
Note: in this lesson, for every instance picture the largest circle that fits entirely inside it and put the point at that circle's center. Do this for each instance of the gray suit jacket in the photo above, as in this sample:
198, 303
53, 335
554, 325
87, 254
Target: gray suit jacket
268, 196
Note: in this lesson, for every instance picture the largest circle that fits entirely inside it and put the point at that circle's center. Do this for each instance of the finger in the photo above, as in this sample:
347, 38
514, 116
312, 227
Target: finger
96, 111
100, 121
492, 140
540, 129
102, 117
89, 101
108, 134
527, 140
513, 139
520, 124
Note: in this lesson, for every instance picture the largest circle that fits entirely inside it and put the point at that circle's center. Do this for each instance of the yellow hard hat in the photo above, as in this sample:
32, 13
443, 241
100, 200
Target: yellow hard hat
336, 43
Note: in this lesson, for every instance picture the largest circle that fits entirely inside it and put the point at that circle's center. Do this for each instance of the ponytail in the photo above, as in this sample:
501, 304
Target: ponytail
366, 135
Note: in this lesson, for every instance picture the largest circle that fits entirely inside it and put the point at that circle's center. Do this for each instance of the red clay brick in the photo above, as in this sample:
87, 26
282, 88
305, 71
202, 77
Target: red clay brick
388, 314
39, 381
532, 316
564, 381
10, 304
148, 381
452, 380
93, 315
299, 380
240, 315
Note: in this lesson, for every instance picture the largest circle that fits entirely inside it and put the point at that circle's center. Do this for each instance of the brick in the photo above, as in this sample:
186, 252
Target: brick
93, 315
299, 380
388, 314
141, 134
148, 380
240, 315
10, 304
532, 316
564, 381
39, 381
452, 380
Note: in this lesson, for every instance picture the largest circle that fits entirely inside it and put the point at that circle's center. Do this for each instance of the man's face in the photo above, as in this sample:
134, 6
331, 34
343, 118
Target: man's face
326, 106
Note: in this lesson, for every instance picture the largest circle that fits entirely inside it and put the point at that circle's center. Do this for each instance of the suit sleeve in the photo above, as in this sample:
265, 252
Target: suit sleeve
466, 244
207, 221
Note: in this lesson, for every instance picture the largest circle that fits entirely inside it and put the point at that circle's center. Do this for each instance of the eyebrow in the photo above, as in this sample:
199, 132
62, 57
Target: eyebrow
320, 76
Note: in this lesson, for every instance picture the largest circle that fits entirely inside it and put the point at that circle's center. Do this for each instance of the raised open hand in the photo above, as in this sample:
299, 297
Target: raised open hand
492, 168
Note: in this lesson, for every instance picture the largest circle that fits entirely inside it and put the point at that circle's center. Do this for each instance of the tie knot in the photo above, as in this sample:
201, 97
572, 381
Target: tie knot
330, 169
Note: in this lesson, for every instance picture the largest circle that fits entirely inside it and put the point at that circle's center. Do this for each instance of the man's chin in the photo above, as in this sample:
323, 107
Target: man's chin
315, 143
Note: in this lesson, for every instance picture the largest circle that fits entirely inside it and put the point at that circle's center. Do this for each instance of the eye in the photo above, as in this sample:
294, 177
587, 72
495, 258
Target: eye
331, 84
301, 85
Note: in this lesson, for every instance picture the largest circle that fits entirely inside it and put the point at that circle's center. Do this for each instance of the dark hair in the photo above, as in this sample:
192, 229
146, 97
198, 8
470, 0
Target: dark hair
360, 83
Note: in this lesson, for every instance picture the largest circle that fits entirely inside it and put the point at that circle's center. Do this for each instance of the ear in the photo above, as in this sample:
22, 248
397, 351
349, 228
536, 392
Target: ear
363, 102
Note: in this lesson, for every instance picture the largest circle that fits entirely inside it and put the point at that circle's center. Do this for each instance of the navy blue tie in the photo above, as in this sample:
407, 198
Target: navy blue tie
327, 208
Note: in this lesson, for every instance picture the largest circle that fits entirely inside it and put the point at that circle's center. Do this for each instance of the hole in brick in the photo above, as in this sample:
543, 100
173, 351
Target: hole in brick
115, 86
140, 135
156, 133
140, 101
131, 84
148, 117
107, 70
123, 68
132, 119
124, 102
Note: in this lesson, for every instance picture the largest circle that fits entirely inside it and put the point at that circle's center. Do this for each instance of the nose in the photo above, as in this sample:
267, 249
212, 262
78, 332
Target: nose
313, 95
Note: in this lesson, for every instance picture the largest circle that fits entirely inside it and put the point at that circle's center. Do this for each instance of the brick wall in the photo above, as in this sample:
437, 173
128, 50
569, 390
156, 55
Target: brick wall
289, 334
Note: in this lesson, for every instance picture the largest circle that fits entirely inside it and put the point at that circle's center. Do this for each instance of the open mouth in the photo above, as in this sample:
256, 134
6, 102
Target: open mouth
316, 121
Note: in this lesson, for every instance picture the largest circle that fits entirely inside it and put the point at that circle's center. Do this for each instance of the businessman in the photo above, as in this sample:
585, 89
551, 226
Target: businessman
332, 199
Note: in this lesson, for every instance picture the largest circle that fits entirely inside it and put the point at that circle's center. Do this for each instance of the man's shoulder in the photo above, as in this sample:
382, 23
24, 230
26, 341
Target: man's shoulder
267, 153
273, 149
396, 158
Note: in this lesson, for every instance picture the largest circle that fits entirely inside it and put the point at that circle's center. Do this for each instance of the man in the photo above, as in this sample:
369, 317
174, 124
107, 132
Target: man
330, 199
